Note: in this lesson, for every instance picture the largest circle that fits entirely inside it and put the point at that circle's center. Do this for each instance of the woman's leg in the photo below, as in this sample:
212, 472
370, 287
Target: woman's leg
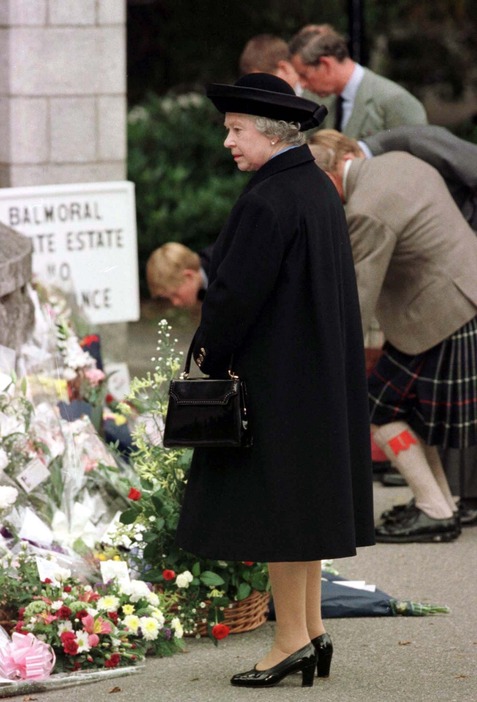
289, 591
314, 622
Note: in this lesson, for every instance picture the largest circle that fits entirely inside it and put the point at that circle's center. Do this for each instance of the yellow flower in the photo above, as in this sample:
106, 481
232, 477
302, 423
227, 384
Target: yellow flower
128, 609
132, 622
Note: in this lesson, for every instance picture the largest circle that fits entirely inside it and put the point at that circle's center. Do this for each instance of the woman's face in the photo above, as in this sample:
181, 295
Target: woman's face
250, 148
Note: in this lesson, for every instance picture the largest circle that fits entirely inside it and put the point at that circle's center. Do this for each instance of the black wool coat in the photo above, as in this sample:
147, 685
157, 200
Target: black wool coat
282, 299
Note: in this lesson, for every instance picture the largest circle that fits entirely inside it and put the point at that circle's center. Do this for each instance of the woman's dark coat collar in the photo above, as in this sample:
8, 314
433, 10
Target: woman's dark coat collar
282, 162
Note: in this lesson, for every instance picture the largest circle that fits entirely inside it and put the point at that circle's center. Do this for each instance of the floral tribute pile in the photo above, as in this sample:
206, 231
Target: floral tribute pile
115, 586
85, 626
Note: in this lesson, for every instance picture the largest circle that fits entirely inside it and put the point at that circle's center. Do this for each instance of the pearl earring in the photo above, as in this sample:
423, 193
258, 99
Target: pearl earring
273, 143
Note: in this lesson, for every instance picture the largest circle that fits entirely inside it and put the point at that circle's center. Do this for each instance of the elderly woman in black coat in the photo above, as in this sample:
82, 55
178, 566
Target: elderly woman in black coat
282, 300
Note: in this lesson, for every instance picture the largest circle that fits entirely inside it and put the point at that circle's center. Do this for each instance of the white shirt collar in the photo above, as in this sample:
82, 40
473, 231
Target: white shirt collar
365, 149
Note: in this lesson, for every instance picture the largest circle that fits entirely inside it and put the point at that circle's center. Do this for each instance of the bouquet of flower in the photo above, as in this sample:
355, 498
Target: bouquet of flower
85, 380
105, 626
60, 485
204, 589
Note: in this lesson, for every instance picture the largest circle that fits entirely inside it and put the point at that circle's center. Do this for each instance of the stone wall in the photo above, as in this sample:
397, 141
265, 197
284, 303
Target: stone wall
16, 308
62, 91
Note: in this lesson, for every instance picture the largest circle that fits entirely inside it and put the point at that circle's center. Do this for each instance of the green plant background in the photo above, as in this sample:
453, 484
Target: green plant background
186, 182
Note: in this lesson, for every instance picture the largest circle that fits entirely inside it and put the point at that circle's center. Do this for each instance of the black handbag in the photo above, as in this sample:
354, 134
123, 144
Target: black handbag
206, 412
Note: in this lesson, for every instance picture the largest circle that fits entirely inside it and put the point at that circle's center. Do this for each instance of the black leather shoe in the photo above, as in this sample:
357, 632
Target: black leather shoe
324, 653
467, 515
397, 512
418, 527
303, 660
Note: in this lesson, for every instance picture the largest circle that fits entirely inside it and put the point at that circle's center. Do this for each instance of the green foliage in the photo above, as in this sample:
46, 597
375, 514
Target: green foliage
186, 182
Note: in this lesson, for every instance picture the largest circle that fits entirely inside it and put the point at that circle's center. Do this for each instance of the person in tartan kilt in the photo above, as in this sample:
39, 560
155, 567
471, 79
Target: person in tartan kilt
416, 265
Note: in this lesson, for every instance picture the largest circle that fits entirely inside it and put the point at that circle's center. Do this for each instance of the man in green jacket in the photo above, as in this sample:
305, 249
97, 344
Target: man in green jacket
365, 103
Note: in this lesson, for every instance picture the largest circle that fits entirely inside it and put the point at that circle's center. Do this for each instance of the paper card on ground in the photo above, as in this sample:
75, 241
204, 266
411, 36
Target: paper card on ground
50, 569
33, 529
356, 584
34, 474
119, 382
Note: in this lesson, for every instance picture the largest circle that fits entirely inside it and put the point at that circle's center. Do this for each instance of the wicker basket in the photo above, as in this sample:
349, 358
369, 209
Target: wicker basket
245, 615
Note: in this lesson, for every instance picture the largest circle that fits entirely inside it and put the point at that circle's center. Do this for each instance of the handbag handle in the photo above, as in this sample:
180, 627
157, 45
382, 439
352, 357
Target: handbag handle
185, 373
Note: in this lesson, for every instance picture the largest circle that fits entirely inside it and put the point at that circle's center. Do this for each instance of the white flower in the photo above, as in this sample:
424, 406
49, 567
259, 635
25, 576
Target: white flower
184, 579
131, 622
74, 355
64, 626
3, 459
158, 616
109, 603
8, 496
177, 626
82, 639
153, 599
62, 574
56, 605
149, 627
136, 590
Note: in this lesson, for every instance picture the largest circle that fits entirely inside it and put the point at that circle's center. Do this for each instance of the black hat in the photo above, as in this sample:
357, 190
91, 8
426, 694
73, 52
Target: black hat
266, 95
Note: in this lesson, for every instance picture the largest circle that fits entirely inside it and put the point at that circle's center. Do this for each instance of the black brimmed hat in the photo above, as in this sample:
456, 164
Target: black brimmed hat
266, 95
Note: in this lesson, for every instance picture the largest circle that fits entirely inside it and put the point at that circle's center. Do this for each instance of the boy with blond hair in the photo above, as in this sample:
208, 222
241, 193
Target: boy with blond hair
175, 272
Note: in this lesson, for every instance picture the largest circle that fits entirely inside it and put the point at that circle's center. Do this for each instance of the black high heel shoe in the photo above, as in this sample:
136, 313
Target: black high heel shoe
303, 660
324, 653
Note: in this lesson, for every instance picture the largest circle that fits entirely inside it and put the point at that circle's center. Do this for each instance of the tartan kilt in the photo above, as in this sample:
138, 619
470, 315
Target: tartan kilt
435, 392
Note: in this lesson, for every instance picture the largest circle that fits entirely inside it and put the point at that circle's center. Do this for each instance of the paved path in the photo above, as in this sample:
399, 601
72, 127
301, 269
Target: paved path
381, 659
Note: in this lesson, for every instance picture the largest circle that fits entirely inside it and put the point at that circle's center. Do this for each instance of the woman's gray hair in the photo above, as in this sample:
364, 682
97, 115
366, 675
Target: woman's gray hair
288, 132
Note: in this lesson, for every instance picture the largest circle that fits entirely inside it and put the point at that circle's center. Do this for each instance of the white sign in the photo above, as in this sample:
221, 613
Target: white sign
84, 240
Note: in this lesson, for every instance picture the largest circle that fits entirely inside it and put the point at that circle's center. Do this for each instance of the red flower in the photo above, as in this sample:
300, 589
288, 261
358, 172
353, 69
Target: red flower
82, 613
67, 588
19, 628
69, 644
64, 612
67, 636
168, 574
220, 631
112, 661
89, 339
113, 616
47, 581
248, 563
134, 494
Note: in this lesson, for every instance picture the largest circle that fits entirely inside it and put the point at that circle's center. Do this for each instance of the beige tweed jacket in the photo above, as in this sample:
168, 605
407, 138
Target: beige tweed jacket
415, 255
